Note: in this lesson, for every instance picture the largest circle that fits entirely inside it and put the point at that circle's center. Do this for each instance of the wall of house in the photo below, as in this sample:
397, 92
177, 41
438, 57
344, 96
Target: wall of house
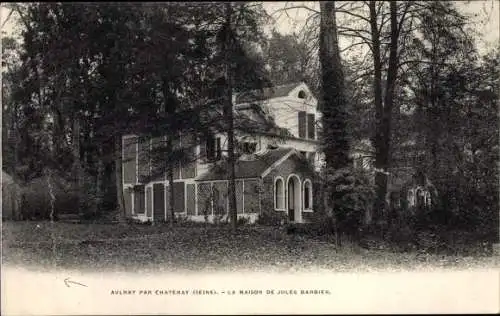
212, 200
285, 110
288, 167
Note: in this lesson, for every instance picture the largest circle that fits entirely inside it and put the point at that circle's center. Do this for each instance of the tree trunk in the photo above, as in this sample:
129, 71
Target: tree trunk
170, 179
119, 183
228, 113
335, 138
77, 168
334, 109
380, 177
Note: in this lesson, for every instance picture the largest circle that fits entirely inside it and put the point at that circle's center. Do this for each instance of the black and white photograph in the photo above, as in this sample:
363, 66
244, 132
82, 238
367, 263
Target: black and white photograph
250, 157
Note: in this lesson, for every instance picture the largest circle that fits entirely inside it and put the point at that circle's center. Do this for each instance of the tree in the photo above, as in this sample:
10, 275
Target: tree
232, 30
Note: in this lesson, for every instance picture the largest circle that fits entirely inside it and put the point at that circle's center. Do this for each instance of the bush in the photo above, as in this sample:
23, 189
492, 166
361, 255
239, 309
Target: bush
352, 194
38, 201
271, 218
243, 221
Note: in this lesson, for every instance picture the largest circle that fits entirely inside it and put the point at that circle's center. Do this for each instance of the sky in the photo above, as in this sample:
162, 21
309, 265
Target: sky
486, 21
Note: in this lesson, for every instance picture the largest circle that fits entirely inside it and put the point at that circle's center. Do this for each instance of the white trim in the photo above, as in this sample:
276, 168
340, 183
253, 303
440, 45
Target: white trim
195, 199
132, 209
185, 197
243, 199
282, 192
277, 163
137, 161
304, 209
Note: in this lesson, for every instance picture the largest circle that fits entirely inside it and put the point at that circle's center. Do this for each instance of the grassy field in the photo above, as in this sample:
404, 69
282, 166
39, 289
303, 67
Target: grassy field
202, 248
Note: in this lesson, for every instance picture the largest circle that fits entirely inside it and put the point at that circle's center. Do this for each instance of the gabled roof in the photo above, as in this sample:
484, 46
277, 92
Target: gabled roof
251, 118
253, 166
266, 93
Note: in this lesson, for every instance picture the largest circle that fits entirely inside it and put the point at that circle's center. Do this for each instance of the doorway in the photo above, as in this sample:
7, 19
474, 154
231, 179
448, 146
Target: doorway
293, 199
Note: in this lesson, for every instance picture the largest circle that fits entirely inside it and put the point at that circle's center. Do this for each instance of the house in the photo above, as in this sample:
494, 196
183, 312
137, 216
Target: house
276, 132
275, 169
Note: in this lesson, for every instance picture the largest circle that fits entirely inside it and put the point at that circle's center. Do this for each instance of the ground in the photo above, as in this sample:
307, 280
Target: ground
202, 248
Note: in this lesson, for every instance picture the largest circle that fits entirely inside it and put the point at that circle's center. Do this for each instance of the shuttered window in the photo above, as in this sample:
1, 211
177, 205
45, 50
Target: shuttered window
144, 158
310, 126
302, 124
139, 200
179, 197
188, 165
190, 199
130, 160
203, 150
213, 148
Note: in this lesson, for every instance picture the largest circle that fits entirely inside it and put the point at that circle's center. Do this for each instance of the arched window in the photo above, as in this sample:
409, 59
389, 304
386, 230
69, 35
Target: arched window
302, 94
411, 198
307, 195
428, 198
420, 197
279, 194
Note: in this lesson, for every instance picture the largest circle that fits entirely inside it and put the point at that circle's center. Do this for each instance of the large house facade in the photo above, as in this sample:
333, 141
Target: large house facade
275, 169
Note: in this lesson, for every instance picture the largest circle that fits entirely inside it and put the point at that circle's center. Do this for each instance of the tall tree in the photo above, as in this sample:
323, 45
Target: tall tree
334, 111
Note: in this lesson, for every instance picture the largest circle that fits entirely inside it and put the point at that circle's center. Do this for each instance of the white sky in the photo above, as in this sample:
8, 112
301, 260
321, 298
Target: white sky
487, 21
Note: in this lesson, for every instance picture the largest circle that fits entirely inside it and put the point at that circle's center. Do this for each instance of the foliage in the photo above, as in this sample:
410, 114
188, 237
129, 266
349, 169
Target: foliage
243, 221
352, 194
272, 218
289, 59
202, 248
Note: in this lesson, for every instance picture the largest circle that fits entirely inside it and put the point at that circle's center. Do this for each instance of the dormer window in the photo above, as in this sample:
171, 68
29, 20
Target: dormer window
213, 148
302, 94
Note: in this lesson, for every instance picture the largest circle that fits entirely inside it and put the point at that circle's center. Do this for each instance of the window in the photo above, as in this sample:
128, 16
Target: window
302, 94
214, 151
311, 126
249, 147
411, 198
358, 162
302, 124
279, 194
311, 158
139, 200
420, 198
428, 198
307, 195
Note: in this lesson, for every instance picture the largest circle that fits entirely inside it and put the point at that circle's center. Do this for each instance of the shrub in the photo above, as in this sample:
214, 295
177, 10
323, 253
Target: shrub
243, 221
352, 194
271, 218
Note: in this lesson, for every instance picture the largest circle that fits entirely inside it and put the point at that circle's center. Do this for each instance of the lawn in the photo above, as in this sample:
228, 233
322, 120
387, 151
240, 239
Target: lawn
202, 248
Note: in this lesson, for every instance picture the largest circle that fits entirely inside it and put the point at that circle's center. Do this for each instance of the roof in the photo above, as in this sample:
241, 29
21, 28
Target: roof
252, 119
266, 93
252, 166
